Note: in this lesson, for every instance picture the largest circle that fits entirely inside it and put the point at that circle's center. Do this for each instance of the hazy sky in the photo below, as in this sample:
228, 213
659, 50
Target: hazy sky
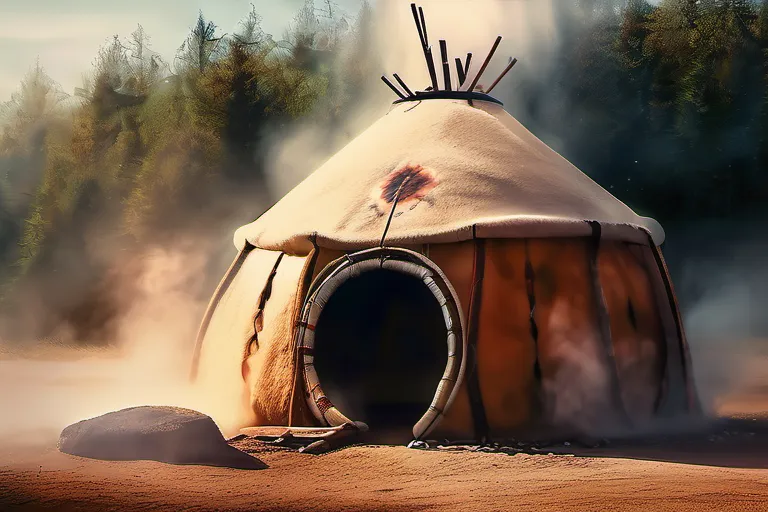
66, 34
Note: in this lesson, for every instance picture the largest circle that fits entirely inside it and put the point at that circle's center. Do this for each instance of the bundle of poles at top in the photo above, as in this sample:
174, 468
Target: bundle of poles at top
462, 68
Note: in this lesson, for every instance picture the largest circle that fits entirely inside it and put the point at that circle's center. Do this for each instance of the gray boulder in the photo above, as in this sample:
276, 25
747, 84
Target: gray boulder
164, 434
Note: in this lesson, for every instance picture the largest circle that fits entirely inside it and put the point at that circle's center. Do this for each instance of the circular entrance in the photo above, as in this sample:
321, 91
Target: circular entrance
381, 341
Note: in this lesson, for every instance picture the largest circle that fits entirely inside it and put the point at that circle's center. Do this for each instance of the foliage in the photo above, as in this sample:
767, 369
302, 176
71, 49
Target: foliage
666, 104
146, 154
667, 107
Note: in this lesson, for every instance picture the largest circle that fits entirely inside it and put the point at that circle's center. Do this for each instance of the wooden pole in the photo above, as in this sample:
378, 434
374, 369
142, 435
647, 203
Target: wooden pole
467, 63
431, 68
485, 65
418, 26
511, 64
446, 67
403, 85
392, 86
460, 72
421, 26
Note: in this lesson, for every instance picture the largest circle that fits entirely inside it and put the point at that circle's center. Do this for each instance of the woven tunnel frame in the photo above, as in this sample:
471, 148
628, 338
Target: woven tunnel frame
351, 266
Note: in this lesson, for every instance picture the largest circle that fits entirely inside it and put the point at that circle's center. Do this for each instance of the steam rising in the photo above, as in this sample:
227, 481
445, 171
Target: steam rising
147, 366
726, 296
156, 327
529, 30
577, 393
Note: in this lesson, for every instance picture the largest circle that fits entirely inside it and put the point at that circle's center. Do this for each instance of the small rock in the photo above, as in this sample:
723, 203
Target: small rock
163, 434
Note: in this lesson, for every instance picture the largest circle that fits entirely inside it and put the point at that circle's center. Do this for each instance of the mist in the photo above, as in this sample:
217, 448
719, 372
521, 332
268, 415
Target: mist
56, 383
110, 265
721, 279
720, 294
530, 34
157, 290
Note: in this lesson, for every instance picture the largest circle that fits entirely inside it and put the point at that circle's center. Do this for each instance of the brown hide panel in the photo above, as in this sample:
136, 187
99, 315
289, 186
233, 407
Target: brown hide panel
324, 257
456, 261
219, 374
572, 391
269, 370
506, 349
638, 336
575, 379
678, 393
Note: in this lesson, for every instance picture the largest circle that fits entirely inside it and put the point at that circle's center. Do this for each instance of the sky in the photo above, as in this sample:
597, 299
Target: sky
66, 35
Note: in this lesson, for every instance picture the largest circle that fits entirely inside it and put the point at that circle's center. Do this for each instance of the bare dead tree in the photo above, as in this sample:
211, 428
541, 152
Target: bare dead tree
201, 46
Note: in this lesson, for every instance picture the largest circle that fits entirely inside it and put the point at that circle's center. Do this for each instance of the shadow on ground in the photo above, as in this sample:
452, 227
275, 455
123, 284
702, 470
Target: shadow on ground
735, 442
732, 443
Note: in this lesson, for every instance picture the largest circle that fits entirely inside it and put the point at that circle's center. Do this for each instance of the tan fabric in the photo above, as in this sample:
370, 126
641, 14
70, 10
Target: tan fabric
270, 370
324, 258
462, 172
219, 374
574, 394
473, 166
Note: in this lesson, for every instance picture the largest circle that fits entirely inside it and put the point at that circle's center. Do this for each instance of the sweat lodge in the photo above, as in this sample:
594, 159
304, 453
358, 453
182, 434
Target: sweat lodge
450, 276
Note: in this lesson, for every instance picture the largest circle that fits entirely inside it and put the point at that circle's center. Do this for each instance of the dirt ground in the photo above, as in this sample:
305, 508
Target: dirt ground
721, 469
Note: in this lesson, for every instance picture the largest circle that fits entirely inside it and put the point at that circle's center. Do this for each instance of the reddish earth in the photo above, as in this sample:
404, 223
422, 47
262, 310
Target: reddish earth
723, 469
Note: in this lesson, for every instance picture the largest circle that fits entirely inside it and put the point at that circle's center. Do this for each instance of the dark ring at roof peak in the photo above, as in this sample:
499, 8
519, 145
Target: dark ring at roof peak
449, 95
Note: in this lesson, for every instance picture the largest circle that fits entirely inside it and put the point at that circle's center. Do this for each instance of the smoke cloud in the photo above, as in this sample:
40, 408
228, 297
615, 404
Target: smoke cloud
723, 292
578, 391
52, 384
530, 33
162, 290
167, 286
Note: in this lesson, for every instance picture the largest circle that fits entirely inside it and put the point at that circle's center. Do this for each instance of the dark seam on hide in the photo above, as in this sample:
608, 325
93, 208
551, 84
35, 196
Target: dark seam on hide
406, 182
258, 317
530, 282
604, 323
691, 400
631, 314
477, 407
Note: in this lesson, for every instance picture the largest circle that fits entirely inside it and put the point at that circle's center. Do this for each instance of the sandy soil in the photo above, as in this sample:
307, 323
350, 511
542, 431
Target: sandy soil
380, 478
725, 468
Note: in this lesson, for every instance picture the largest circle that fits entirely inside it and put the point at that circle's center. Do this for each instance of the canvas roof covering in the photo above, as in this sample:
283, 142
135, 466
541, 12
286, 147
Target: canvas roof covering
475, 171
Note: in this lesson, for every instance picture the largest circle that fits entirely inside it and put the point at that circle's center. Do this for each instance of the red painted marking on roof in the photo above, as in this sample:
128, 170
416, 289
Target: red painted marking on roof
412, 180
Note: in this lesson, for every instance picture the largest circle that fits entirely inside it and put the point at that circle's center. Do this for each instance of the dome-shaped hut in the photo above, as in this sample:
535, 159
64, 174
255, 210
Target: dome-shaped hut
448, 272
